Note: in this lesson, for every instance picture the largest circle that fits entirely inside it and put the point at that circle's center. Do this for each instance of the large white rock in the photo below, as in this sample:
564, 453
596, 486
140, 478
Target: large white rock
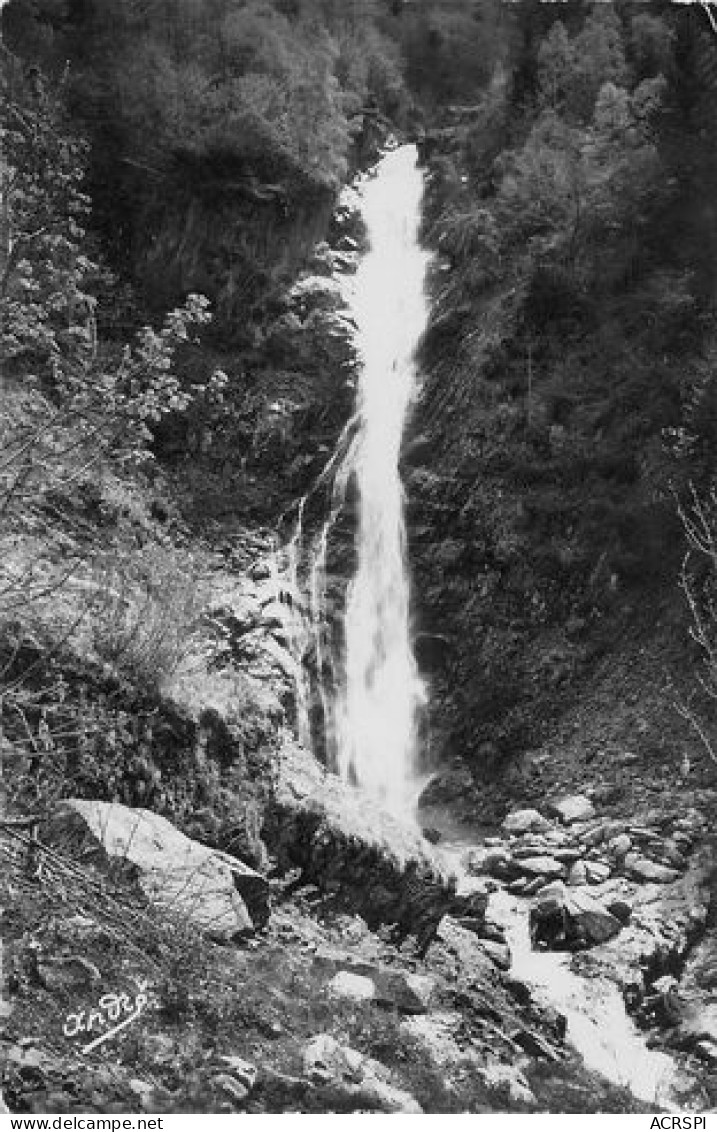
525, 821
346, 984
178, 875
643, 869
576, 807
542, 866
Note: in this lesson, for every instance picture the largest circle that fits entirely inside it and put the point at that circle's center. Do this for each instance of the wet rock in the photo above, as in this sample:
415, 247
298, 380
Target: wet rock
531, 848
448, 786
525, 821
492, 861
597, 872
576, 807
519, 887
569, 921
493, 931
620, 909
594, 835
543, 867
498, 952
620, 846
346, 845
356, 1079
465, 946
665, 922
175, 873
578, 874
670, 854
643, 869
345, 262
707, 1051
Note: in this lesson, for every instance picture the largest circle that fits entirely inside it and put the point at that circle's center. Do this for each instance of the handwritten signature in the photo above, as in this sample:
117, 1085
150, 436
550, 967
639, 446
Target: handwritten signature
110, 1008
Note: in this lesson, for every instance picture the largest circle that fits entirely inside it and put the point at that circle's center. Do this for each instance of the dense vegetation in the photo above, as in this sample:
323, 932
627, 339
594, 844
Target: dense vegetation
218, 131
571, 354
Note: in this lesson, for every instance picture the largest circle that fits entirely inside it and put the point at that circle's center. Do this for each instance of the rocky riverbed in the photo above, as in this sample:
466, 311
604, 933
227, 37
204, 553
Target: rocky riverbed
607, 919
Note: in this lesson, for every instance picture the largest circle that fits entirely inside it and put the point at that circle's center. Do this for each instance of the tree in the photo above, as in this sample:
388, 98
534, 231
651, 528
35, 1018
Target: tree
556, 68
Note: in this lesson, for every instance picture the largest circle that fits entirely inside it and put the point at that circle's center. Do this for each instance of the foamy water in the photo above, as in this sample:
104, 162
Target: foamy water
598, 1026
368, 683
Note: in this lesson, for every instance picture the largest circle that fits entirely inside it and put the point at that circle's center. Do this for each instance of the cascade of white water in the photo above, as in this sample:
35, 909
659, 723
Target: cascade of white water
368, 683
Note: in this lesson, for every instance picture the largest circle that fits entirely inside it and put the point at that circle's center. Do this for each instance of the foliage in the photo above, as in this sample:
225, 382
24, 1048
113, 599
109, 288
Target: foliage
698, 580
46, 303
573, 342
209, 119
144, 611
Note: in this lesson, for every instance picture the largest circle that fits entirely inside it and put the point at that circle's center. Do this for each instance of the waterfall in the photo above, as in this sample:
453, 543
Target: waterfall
366, 678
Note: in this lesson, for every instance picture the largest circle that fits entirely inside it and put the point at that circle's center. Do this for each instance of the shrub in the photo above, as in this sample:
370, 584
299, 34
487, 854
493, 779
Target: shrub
145, 614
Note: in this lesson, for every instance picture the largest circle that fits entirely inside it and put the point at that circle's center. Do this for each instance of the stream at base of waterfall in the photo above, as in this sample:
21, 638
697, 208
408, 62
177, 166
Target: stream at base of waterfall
358, 690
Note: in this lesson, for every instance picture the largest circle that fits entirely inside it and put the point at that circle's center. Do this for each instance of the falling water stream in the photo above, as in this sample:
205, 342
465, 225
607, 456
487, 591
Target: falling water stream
354, 657
371, 691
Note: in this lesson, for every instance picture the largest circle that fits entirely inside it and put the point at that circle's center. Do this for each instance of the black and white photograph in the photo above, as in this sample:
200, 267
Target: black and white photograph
358, 561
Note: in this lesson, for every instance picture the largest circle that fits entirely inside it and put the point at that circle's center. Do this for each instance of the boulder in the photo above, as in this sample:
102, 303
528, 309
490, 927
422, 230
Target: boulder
620, 846
343, 842
401, 990
178, 875
570, 921
354, 1079
620, 909
252, 886
449, 785
594, 835
576, 807
643, 869
525, 821
597, 872
347, 984
495, 861
542, 867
